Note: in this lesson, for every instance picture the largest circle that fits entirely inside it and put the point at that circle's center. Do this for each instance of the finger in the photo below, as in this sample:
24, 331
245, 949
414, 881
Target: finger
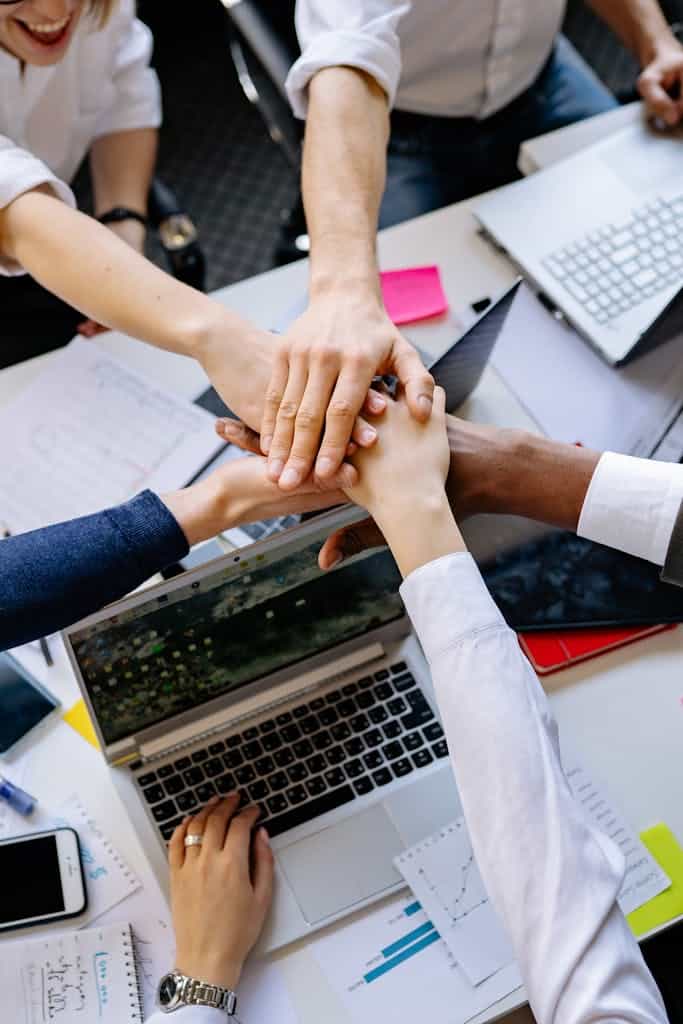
364, 434
439, 406
274, 395
176, 847
239, 434
197, 824
416, 380
374, 404
238, 839
348, 541
309, 423
218, 822
347, 399
281, 444
656, 97
263, 868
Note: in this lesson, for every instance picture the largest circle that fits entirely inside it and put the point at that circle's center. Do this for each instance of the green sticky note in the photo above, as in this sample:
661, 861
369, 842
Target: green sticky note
664, 847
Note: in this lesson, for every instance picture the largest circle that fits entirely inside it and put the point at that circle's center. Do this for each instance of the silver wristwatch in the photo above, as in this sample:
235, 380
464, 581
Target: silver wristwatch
176, 990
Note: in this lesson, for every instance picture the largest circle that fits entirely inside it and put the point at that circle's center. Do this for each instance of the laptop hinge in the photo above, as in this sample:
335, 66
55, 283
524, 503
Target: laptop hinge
188, 735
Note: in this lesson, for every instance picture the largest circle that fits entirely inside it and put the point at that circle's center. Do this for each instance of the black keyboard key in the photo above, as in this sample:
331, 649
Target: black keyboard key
165, 771
174, 785
392, 750
363, 785
278, 781
285, 718
153, 794
382, 674
335, 755
304, 748
245, 774
309, 810
335, 777
340, 732
283, 757
333, 696
317, 704
321, 740
243, 799
252, 750
347, 707
258, 790
399, 666
382, 777
193, 776
433, 731
422, 758
301, 711
403, 683
378, 714
316, 764
135, 765
373, 760
384, 691
147, 779
217, 748
290, 733
365, 682
440, 749
392, 729
365, 700
276, 804
359, 723
250, 734
187, 802
213, 767
397, 706
354, 746
233, 759
350, 689
264, 765
296, 795
199, 755
182, 763
205, 792
225, 784
297, 772
413, 741
309, 725
421, 712
316, 786
402, 767
328, 716
267, 726
271, 741
354, 768
169, 828
373, 738
233, 741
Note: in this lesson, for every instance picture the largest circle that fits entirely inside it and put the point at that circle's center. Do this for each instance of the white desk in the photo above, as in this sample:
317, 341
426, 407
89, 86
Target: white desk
622, 712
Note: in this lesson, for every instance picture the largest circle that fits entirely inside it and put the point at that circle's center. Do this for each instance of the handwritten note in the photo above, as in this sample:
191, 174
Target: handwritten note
668, 905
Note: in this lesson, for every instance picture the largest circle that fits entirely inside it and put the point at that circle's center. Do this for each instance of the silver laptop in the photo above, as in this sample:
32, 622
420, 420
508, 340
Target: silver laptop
600, 235
306, 691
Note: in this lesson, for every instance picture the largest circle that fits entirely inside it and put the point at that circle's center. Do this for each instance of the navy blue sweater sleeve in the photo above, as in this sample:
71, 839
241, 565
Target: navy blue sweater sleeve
53, 577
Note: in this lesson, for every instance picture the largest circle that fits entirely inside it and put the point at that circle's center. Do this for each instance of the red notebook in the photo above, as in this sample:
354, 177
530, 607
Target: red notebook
552, 651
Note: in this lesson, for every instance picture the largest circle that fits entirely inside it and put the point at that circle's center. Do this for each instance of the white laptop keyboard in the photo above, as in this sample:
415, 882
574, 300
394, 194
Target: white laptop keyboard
615, 268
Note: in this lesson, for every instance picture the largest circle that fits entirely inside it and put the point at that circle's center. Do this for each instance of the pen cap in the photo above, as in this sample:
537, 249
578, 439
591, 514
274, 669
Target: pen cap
18, 800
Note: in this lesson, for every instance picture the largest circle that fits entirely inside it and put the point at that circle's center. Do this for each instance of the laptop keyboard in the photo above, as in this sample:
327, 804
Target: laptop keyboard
308, 760
616, 267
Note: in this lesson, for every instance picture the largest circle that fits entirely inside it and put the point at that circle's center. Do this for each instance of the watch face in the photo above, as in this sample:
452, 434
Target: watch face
167, 990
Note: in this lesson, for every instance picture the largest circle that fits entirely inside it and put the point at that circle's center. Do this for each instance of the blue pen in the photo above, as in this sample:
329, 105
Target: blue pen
17, 798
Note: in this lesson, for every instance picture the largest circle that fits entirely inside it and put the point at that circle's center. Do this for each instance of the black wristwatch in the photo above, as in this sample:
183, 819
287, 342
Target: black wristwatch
121, 213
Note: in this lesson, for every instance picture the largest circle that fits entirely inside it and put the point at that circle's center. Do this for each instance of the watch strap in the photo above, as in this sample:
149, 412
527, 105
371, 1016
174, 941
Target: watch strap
200, 993
121, 213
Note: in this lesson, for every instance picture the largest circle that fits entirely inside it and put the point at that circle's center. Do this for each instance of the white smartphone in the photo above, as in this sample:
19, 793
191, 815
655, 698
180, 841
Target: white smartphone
24, 703
44, 877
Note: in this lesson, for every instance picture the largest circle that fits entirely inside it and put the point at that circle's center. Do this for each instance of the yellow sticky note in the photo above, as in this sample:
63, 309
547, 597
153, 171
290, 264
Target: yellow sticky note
664, 847
79, 719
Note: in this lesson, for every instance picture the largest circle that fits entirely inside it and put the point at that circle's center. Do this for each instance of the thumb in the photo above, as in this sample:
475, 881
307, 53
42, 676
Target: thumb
239, 434
416, 380
262, 868
349, 541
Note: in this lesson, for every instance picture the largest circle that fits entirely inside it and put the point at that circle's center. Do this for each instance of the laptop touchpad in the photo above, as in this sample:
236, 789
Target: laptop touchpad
342, 865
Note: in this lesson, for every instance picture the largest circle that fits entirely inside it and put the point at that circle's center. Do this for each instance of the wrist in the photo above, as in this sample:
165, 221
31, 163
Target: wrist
343, 268
212, 970
201, 510
418, 529
655, 42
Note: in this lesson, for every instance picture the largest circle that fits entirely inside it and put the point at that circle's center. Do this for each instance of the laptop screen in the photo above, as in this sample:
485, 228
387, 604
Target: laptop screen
216, 633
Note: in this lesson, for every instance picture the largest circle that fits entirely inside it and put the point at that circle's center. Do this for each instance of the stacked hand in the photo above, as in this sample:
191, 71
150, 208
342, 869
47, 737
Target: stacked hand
661, 82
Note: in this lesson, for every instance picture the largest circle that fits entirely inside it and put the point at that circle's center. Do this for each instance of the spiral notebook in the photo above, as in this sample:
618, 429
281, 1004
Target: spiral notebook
78, 977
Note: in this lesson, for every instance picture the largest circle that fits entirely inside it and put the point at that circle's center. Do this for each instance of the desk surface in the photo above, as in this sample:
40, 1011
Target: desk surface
622, 712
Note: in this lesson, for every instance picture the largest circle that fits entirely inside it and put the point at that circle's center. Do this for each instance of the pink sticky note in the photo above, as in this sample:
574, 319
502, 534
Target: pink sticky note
413, 293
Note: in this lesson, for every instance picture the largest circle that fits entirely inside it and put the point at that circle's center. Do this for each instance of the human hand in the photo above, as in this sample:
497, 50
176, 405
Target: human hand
239, 373
134, 234
221, 891
661, 82
320, 383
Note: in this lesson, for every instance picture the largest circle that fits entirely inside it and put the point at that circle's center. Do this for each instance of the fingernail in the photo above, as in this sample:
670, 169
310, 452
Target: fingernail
324, 465
424, 404
263, 836
265, 444
376, 403
214, 799
290, 477
367, 435
275, 468
335, 561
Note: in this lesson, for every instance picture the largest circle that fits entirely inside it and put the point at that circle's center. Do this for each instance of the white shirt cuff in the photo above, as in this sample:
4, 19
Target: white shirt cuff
24, 173
632, 504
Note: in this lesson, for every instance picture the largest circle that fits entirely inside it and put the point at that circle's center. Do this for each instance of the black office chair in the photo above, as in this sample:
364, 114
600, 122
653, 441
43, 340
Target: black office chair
263, 46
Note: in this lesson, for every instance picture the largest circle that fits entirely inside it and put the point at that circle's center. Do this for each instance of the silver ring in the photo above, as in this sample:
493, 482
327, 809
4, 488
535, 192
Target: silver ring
194, 840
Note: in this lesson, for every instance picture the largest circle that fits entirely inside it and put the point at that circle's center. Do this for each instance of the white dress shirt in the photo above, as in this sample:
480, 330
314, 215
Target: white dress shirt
631, 504
455, 58
50, 116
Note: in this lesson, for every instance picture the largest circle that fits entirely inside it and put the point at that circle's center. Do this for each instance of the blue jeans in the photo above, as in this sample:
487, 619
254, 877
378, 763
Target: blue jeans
434, 161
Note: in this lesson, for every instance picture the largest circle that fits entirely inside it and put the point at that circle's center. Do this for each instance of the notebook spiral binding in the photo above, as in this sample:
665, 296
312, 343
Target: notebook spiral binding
110, 850
134, 977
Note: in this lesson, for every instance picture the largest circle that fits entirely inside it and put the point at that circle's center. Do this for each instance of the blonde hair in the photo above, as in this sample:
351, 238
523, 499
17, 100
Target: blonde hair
101, 10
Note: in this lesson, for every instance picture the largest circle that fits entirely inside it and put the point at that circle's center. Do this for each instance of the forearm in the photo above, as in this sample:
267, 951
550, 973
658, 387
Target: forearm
122, 167
343, 177
640, 24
